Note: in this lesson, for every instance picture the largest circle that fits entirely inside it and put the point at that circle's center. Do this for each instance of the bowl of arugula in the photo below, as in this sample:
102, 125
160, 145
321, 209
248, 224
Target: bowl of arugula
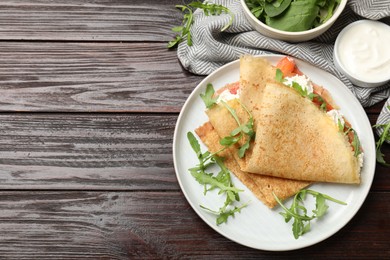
292, 20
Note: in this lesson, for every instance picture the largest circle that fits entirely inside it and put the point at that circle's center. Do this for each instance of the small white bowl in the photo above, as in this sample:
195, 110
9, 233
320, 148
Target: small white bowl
291, 36
361, 52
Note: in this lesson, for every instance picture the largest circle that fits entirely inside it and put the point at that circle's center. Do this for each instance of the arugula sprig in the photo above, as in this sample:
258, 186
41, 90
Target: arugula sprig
208, 97
222, 181
183, 31
241, 131
385, 136
355, 141
238, 133
299, 213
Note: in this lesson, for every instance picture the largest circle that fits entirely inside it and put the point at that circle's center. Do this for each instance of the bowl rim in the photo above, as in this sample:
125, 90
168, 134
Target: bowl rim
336, 55
331, 20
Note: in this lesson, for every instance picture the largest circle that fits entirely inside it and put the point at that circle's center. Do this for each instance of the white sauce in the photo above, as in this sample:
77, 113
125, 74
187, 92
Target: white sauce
364, 51
360, 159
226, 95
336, 116
303, 81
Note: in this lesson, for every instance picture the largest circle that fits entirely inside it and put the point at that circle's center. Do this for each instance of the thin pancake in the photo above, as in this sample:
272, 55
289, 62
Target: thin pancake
261, 186
296, 140
255, 72
224, 123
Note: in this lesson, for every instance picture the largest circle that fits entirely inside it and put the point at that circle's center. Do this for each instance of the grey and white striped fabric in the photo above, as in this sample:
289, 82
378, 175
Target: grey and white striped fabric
212, 48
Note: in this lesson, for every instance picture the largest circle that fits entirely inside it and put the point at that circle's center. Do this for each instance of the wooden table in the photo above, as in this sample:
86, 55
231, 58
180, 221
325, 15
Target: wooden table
89, 100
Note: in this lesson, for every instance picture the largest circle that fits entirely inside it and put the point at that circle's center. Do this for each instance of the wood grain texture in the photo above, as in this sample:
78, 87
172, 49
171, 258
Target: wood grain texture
87, 151
92, 77
150, 225
88, 20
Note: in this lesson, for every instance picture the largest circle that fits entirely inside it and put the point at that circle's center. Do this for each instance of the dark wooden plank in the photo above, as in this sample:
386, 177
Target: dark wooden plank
150, 225
95, 77
92, 77
88, 20
96, 152
87, 151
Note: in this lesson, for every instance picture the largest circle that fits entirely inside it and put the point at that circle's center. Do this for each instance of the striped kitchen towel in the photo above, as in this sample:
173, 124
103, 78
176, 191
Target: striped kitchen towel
212, 48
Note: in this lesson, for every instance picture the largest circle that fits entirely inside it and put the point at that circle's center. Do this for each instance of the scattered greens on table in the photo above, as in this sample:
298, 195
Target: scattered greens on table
385, 136
298, 212
183, 31
293, 15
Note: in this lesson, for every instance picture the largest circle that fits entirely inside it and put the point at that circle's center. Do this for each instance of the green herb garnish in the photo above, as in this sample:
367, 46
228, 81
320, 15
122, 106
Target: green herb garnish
183, 31
385, 136
299, 213
242, 130
279, 76
355, 141
222, 181
311, 96
293, 15
208, 97
223, 216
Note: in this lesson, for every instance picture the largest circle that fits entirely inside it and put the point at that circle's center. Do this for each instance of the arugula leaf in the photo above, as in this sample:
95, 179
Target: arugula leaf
222, 181
241, 131
312, 96
183, 31
222, 216
194, 144
208, 97
320, 100
340, 125
385, 136
279, 76
302, 91
355, 141
321, 207
298, 212
214, 9
356, 144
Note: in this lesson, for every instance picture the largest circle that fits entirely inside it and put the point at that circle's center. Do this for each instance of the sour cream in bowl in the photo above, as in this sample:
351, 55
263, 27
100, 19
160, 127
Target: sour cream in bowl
362, 53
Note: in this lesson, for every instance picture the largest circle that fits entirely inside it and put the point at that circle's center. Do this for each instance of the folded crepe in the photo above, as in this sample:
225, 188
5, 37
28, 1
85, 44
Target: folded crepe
294, 138
255, 72
261, 186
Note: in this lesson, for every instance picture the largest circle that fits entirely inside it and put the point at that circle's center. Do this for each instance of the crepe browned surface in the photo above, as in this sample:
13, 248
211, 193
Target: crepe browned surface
296, 140
224, 123
261, 186
255, 72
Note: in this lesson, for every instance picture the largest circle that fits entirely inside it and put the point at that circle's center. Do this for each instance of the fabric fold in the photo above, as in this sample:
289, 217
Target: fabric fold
212, 48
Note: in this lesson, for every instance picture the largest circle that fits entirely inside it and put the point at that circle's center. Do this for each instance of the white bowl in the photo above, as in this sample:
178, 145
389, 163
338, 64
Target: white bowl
362, 54
291, 36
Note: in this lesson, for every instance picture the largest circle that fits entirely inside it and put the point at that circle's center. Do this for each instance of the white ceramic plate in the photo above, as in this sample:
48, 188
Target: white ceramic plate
258, 226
